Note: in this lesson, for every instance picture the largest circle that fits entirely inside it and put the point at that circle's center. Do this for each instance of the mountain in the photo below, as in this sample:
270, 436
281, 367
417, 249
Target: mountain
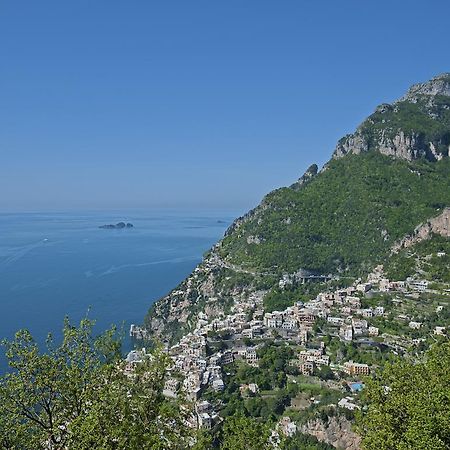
338, 223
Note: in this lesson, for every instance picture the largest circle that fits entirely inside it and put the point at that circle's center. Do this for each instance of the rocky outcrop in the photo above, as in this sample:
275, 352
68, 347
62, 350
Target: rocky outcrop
337, 431
401, 145
352, 143
437, 225
392, 132
439, 85
245, 218
202, 292
310, 173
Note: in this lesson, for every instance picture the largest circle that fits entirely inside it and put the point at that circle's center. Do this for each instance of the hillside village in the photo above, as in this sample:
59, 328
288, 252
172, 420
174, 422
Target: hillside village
334, 341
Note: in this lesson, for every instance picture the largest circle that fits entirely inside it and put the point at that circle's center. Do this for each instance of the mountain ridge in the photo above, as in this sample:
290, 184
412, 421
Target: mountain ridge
382, 181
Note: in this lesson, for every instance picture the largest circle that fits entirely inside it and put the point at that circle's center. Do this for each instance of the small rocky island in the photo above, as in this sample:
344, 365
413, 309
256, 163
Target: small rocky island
117, 226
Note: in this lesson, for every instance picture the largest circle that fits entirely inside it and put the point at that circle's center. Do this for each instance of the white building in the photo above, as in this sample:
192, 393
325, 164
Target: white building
218, 385
204, 421
347, 403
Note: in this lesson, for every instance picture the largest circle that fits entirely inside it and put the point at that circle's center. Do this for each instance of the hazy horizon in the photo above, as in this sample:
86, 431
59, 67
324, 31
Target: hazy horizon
193, 105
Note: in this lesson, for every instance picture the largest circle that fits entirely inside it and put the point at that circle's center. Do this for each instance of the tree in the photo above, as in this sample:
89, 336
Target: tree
303, 442
408, 405
77, 395
325, 373
244, 433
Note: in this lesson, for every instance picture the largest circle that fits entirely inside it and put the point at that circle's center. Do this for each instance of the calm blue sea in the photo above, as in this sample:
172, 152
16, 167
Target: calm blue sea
52, 265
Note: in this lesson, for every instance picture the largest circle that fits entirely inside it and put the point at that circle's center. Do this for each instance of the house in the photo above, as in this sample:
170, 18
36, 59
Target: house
194, 394
247, 333
251, 387
306, 367
218, 384
306, 317
359, 326
415, 325
354, 302
135, 357
418, 285
273, 320
347, 403
364, 287
323, 360
346, 333
227, 357
373, 331
289, 324
367, 313
170, 388
352, 368
337, 321
251, 356
384, 285
440, 331
303, 336
204, 421
203, 406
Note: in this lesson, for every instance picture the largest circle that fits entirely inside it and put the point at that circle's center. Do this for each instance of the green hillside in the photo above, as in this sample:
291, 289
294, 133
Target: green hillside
344, 220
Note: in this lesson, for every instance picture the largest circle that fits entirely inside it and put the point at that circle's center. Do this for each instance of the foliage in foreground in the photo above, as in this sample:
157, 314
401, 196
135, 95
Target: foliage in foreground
408, 405
77, 396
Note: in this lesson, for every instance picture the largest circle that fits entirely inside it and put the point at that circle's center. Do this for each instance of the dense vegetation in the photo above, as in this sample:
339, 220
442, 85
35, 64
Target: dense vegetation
76, 396
408, 405
345, 219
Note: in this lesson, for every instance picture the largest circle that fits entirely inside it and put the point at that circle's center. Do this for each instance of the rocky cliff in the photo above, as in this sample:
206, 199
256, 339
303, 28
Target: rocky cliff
337, 431
439, 85
415, 126
439, 225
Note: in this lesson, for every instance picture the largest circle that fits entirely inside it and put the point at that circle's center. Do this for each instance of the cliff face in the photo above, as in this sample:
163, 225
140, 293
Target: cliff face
439, 85
336, 432
210, 291
439, 225
415, 126
403, 146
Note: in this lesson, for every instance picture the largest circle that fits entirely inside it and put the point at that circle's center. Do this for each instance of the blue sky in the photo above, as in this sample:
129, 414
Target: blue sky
196, 104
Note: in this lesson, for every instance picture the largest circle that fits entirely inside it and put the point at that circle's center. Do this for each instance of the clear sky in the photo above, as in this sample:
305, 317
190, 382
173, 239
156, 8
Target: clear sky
124, 104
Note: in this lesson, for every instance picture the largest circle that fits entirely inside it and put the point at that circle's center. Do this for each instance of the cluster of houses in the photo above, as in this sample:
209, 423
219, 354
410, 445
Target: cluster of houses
195, 369
200, 357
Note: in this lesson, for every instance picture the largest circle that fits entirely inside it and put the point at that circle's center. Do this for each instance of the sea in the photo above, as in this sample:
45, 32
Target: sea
54, 265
